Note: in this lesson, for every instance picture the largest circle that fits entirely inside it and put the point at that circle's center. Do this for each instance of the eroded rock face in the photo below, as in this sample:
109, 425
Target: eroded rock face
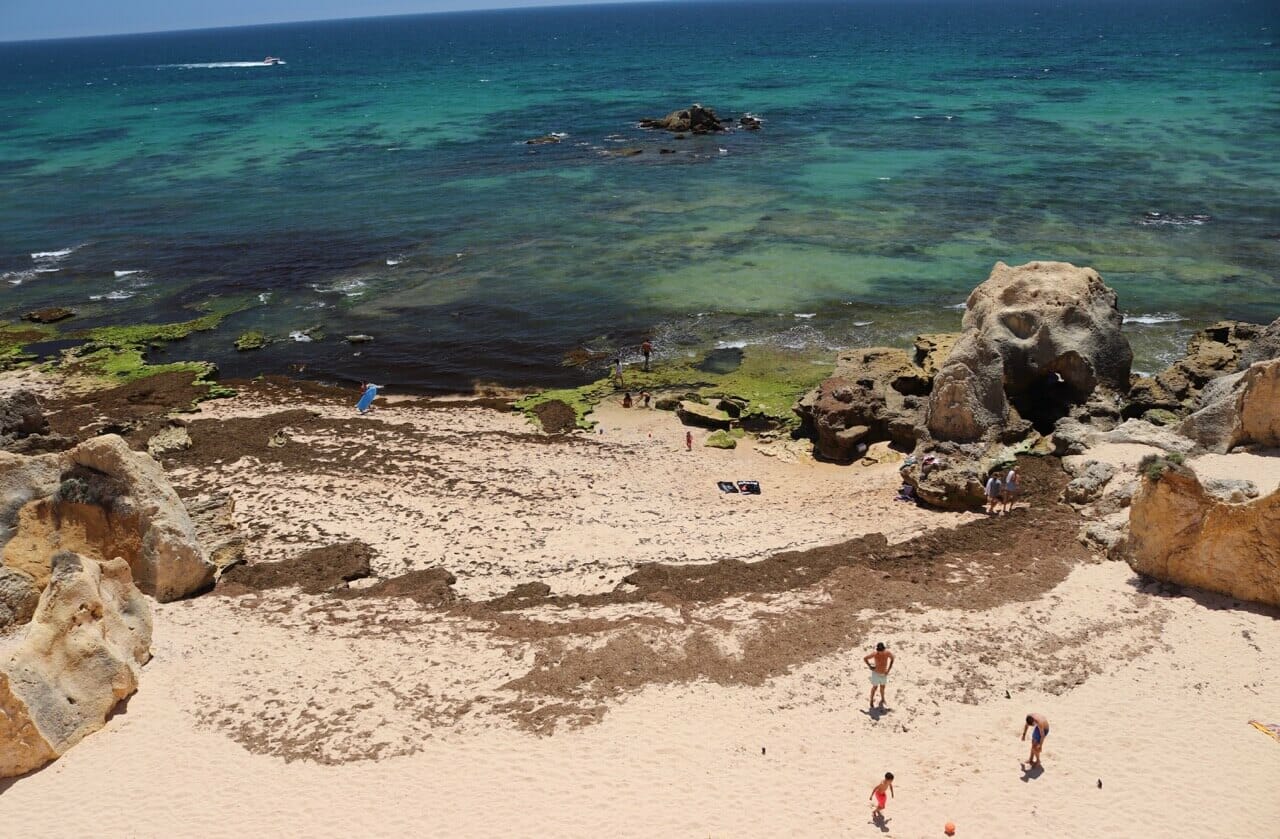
1057, 328
1238, 410
23, 427
1213, 352
1264, 347
1180, 534
875, 395
968, 402
87, 641
102, 500
171, 563
19, 595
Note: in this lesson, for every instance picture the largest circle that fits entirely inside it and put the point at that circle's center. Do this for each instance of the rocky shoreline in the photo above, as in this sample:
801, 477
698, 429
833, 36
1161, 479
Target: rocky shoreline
105, 467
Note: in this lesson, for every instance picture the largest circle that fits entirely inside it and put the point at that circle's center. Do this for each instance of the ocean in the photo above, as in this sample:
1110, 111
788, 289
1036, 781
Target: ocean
379, 182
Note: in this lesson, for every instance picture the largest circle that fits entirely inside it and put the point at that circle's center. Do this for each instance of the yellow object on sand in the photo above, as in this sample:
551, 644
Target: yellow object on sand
1271, 730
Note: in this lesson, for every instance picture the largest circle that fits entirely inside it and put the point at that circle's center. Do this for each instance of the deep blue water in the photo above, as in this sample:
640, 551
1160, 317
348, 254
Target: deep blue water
378, 182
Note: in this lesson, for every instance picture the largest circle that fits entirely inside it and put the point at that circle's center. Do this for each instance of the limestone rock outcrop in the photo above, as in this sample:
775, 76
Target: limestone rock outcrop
86, 643
1053, 323
23, 426
1181, 534
874, 395
968, 402
1237, 410
1264, 347
1212, 352
102, 500
170, 562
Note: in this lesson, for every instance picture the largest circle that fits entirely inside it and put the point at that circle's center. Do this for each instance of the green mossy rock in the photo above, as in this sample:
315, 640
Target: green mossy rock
721, 440
251, 340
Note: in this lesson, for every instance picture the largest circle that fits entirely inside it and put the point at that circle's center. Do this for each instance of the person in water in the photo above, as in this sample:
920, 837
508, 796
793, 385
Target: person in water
995, 488
1011, 489
1039, 727
881, 792
880, 662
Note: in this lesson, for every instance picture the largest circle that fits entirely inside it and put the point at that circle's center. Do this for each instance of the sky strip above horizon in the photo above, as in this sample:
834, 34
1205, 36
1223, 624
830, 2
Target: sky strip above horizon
30, 20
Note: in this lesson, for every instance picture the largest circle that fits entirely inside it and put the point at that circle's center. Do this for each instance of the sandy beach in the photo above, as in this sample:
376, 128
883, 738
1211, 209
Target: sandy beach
722, 700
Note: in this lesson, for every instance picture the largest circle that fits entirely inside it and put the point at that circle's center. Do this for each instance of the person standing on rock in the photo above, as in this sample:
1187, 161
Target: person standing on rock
880, 662
1039, 726
617, 370
1011, 489
995, 489
647, 350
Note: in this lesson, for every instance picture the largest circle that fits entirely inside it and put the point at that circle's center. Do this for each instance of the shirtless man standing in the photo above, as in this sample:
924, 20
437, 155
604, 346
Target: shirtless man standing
1039, 726
880, 662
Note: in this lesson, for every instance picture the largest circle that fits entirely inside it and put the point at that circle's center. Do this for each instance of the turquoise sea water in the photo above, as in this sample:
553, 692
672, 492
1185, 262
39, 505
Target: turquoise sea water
378, 182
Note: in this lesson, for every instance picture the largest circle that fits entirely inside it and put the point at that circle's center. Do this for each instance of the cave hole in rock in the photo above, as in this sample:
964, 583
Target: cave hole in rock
1046, 400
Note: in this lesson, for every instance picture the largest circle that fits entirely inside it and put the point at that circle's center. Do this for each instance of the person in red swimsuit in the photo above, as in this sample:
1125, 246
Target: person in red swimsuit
881, 794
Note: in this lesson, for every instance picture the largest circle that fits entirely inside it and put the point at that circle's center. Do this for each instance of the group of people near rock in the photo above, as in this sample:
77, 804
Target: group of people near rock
1002, 492
880, 661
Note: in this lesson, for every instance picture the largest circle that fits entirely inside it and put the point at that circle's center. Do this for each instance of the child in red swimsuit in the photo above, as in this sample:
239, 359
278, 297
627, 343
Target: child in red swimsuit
880, 795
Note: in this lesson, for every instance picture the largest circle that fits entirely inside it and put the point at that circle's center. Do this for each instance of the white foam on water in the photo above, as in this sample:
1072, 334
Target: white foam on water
113, 295
264, 297
394, 262
300, 336
863, 322
54, 256
17, 277
214, 65
46, 270
126, 273
958, 306
806, 315
1150, 320
732, 345
349, 288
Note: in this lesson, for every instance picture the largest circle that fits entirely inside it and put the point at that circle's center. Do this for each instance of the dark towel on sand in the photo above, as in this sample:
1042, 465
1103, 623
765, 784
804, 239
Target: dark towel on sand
749, 487
727, 486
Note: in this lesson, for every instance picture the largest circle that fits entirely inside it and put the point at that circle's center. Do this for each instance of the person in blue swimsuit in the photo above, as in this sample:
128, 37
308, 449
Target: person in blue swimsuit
1039, 727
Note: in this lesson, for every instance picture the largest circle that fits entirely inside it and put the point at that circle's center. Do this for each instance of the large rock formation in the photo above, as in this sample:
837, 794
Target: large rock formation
967, 402
1237, 410
1056, 326
1040, 340
103, 500
82, 654
1181, 534
1213, 352
874, 395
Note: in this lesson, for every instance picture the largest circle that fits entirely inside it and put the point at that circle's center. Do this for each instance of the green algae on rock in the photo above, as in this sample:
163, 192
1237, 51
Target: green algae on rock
16, 337
251, 340
114, 355
768, 381
723, 439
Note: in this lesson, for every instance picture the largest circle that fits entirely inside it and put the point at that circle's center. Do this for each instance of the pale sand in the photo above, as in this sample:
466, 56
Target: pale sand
1167, 686
283, 714
497, 511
